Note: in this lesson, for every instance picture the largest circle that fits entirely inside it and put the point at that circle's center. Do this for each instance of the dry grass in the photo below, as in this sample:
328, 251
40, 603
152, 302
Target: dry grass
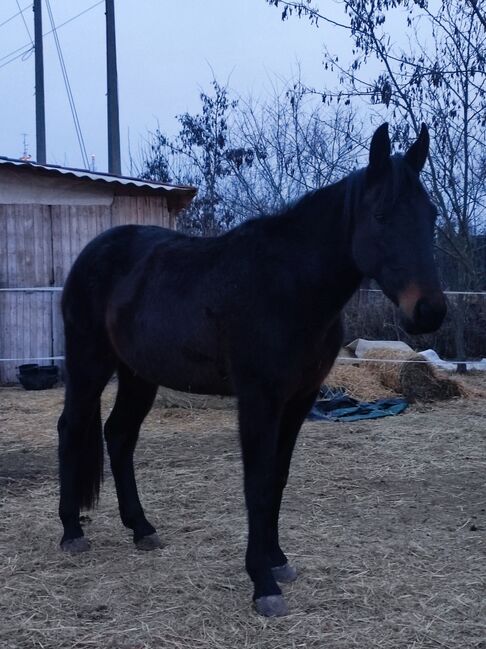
167, 398
385, 520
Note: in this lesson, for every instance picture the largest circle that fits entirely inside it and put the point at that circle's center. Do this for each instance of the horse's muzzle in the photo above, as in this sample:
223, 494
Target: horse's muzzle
425, 316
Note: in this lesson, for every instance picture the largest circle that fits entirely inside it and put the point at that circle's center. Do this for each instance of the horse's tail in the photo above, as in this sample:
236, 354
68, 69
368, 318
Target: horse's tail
91, 462
81, 452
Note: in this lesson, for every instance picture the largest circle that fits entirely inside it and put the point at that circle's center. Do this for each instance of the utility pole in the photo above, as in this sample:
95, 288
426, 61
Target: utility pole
114, 158
40, 115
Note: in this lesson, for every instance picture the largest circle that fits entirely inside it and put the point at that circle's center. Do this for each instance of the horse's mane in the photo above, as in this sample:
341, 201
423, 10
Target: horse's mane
402, 177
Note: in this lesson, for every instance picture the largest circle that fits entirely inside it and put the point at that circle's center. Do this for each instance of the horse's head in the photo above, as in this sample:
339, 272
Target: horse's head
394, 232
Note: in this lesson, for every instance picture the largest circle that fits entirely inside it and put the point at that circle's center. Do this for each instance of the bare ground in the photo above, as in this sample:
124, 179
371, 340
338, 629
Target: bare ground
385, 520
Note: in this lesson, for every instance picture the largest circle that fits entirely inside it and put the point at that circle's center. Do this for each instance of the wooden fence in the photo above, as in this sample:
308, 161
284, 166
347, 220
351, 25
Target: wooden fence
38, 245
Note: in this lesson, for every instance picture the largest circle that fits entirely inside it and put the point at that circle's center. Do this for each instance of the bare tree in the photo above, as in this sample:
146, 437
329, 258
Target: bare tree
198, 156
292, 144
251, 159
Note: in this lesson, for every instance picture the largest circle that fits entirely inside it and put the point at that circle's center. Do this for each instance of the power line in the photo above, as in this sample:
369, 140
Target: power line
70, 20
74, 112
24, 53
23, 48
21, 11
27, 47
25, 22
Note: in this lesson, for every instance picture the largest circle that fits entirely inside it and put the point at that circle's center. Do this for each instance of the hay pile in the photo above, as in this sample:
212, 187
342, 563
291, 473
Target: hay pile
358, 382
416, 381
167, 398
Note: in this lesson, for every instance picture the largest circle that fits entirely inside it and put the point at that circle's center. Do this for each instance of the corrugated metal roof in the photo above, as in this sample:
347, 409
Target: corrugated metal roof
83, 174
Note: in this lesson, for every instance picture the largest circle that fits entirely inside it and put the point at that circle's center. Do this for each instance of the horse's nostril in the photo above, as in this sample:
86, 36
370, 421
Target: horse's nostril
423, 310
428, 316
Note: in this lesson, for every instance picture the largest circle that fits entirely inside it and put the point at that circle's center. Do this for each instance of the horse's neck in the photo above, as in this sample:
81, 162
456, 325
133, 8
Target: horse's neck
322, 225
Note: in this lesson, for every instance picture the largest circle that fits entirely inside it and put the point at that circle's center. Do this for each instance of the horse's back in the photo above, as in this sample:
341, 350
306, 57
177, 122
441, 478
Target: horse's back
102, 263
146, 295
118, 248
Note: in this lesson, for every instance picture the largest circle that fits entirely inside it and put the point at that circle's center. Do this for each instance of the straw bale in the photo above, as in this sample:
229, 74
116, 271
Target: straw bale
418, 381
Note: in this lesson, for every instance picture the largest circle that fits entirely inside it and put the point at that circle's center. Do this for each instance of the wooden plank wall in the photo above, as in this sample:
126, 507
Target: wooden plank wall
27, 245
25, 329
38, 245
144, 210
72, 228
25, 318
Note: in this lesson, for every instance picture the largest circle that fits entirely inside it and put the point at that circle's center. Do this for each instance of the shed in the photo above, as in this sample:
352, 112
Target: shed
47, 215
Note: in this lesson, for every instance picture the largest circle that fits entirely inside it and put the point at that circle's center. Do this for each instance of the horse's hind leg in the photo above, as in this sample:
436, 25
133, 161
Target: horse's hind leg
292, 419
80, 438
133, 401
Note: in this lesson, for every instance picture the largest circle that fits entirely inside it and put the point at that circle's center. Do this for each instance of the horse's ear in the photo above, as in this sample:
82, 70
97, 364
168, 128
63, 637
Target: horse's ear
380, 150
418, 152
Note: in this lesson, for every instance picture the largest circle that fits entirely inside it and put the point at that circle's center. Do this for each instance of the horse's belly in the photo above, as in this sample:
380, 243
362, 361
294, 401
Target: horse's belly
189, 369
190, 358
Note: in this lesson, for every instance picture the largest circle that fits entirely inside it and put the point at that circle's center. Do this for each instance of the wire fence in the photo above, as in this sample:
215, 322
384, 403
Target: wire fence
361, 290
33, 289
350, 360
339, 359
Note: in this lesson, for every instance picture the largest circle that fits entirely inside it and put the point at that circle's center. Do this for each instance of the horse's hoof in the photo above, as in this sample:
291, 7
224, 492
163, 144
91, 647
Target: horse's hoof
271, 606
284, 574
150, 542
76, 546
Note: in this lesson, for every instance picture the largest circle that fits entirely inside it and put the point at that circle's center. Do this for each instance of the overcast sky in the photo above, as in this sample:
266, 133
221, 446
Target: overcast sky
167, 52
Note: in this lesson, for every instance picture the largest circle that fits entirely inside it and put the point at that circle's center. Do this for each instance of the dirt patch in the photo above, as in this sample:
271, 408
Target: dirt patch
384, 519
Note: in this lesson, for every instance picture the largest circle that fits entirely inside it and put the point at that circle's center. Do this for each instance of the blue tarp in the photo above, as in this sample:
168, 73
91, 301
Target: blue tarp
344, 408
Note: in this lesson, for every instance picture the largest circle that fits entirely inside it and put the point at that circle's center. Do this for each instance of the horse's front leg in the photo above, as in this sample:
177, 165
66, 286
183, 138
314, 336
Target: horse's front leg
292, 419
259, 416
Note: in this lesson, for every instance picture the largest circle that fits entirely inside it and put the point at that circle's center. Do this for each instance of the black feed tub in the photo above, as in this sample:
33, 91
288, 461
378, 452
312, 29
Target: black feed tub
38, 377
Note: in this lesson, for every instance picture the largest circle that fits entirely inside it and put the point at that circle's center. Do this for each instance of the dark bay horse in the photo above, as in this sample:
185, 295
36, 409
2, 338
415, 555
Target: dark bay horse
254, 312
